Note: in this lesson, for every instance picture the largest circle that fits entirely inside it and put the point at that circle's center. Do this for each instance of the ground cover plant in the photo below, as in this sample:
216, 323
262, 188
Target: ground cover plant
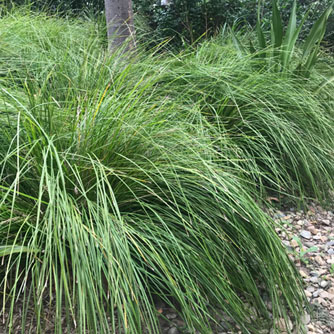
122, 180
277, 125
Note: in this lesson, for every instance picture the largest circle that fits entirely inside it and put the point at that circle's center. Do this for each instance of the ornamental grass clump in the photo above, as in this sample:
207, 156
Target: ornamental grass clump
277, 129
109, 200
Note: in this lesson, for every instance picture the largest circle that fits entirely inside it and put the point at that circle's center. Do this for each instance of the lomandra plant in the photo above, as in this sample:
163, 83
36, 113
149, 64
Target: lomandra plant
109, 201
277, 129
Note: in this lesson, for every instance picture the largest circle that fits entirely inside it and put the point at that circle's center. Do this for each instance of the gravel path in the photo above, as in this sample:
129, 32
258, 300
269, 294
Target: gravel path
309, 238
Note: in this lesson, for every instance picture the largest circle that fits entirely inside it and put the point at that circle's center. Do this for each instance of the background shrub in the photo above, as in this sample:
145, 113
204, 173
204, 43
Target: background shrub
189, 19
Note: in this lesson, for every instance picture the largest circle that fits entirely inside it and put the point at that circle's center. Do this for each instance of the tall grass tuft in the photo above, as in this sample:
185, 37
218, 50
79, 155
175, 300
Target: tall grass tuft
113, 193
277, 129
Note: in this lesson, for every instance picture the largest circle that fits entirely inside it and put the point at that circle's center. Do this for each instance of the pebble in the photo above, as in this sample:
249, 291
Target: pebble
331, 290
313, 279
305, 234
313, 230
326, 222
323, 284
306, 319
173, 330
310, 288
323, 238
171, 316
294, 243
319, 260
308, 293
303, 273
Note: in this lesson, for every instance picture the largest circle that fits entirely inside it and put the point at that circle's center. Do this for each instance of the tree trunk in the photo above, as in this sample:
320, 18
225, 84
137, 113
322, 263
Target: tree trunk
119, 18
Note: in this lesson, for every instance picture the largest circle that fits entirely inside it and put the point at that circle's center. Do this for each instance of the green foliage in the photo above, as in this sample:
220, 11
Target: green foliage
113, 190
189, 20
283, 45
186, 20
59, 6
277, 128
302, 253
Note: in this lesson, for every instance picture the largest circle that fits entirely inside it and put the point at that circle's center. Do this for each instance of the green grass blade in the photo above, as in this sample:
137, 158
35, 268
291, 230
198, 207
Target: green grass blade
260, 36
276, 25
238, 45
317, 32
12, 249
290, 37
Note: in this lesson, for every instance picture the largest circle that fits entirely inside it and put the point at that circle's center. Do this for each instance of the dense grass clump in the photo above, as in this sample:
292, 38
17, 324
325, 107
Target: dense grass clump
278, 127
128, 179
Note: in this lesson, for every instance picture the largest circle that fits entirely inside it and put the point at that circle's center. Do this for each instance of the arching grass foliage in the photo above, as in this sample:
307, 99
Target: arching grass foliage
124, 180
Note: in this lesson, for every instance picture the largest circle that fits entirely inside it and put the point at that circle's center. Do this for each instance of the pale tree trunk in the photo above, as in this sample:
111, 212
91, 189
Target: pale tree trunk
119, 18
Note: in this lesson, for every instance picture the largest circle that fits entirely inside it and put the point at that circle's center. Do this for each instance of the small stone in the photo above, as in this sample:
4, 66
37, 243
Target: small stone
294, 243
179, 323
330, 251
313, 230
279, 214
284, 325
320, 301
314, 279
326, 295
322, 272
323, 238
303, 273
330, 243
173, 330
323, 284
319, 260
171, 316
326, 222
310, 327
286, 243
306, 318
310, 288
308, 294
305, 234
